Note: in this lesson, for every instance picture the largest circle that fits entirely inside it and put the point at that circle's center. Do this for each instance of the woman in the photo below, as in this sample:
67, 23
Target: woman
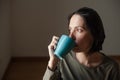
85, 61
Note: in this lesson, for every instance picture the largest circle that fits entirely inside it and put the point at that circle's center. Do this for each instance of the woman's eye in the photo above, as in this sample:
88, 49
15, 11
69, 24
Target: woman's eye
79, 30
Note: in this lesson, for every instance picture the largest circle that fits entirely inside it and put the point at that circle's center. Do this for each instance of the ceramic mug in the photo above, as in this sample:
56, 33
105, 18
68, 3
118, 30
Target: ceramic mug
64, 46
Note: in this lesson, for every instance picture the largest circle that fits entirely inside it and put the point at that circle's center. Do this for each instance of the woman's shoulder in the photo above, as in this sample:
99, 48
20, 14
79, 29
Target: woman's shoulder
108, 61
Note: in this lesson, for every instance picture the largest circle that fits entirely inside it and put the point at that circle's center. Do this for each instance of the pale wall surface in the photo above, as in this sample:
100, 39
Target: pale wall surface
4, 35
34, 22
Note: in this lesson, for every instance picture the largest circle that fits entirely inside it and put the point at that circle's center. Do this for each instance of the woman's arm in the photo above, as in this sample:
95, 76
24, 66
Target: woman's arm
52, 72
52, 75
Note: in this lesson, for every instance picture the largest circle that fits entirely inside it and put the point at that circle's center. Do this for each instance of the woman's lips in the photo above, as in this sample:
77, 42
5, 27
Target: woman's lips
76, 45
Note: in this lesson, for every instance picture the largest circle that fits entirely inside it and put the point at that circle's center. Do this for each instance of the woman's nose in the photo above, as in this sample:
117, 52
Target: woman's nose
72, 35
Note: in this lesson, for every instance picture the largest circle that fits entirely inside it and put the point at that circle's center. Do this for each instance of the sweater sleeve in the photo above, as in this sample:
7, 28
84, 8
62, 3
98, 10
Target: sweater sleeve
52, 75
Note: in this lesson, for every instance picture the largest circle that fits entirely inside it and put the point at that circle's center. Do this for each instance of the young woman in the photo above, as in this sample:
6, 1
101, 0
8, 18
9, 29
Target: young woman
85, 61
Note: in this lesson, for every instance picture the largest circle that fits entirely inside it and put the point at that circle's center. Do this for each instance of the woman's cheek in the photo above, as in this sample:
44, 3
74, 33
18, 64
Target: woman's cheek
80, 38
78, 41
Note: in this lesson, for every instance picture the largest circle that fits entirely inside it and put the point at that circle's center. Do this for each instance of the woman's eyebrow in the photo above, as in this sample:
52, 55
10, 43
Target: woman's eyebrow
80, 27
77, 27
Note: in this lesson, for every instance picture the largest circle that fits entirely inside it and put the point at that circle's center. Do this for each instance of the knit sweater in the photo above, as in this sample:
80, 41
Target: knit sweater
70, 69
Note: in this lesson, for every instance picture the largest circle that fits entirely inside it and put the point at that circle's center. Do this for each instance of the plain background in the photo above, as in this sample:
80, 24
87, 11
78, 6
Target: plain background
34, 22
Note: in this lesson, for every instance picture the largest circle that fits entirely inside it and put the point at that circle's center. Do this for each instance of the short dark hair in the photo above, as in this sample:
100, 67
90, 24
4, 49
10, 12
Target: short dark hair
94, 24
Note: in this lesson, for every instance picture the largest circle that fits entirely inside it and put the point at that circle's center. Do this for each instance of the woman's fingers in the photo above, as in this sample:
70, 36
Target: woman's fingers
52, 45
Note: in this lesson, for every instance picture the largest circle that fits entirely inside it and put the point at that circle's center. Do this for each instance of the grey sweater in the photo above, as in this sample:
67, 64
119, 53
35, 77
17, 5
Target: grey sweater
70, 69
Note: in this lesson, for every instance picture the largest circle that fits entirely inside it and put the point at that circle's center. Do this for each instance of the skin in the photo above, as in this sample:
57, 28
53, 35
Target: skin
83, 38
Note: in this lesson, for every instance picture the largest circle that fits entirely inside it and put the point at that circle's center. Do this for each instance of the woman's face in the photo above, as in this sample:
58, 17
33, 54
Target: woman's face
80, 33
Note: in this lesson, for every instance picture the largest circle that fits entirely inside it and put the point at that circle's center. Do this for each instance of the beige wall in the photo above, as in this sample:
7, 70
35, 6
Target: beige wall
4, 35
34, 22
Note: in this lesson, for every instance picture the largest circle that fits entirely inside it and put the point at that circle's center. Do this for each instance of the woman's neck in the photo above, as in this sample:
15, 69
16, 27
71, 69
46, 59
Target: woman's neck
89, 59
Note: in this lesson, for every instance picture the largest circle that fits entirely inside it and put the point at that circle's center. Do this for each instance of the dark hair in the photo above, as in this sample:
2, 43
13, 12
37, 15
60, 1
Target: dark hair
94, 24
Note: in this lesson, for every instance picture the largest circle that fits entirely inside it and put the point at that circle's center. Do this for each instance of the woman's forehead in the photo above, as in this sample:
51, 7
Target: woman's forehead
76, 20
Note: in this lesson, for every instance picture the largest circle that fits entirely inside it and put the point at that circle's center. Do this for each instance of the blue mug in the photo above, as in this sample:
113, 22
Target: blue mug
64, 46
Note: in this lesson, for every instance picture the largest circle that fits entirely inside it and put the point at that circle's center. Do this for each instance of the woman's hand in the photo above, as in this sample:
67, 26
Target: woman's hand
53, 59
